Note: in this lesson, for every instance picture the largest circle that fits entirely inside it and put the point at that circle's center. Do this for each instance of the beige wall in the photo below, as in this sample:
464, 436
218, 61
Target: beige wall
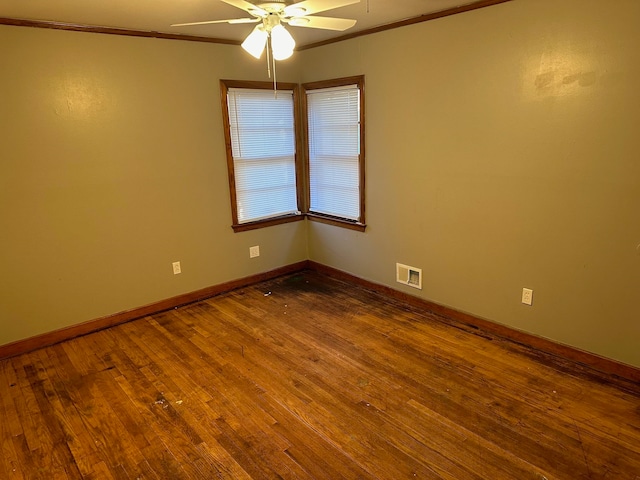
503, 152
513, 163
113, 166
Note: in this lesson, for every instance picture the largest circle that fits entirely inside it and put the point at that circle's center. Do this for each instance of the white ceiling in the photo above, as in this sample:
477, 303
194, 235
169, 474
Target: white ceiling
158, 15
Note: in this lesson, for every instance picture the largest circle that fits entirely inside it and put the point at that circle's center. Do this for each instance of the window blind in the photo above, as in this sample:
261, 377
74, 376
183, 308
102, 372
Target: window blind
334, 151
263, 149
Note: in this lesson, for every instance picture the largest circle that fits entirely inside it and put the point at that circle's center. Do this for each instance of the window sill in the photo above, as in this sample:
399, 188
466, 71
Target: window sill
268, 222
335, 221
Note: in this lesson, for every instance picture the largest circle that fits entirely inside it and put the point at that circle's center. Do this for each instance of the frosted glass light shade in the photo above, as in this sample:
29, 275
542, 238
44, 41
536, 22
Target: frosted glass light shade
255, 42
282, 43
282, 54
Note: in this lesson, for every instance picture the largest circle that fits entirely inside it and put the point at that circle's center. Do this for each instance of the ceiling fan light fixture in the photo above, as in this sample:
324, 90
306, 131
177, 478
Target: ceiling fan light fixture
282, 54
256, 41
282, 43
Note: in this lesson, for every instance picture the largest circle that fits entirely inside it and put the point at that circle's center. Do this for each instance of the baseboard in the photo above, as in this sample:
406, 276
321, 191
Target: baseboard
591, 360
73, 331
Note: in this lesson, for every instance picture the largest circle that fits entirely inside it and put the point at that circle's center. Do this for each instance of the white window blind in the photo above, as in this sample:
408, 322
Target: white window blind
334, 151
263, 149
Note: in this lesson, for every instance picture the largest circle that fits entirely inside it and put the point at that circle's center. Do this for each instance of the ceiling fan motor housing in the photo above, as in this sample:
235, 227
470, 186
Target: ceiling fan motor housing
271, 21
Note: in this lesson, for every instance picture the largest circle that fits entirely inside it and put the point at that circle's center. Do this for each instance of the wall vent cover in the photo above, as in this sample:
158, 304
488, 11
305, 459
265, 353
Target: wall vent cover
407, 275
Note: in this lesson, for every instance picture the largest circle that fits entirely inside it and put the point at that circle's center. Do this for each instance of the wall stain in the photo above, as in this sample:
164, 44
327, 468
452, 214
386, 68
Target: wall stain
556, 83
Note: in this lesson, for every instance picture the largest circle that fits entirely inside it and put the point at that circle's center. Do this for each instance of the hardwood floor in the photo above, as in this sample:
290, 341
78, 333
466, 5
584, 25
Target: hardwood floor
308, 377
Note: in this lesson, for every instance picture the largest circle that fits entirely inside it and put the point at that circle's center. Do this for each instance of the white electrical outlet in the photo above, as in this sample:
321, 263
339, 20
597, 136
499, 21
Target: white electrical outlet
527, 296
254, 251
176, 268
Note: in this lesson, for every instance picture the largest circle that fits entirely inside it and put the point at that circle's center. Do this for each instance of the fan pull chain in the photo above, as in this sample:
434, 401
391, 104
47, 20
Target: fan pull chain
268, 57
275, 89
270, 61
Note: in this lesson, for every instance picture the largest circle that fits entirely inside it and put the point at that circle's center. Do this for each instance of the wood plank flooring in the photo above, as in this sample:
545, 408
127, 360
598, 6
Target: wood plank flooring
308, 377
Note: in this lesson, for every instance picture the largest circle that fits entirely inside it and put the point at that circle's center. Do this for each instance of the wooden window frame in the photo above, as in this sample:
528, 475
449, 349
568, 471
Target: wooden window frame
225, 85
360, 224
301, 161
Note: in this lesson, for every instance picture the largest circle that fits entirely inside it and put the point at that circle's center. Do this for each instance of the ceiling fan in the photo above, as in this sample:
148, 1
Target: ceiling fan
270, 17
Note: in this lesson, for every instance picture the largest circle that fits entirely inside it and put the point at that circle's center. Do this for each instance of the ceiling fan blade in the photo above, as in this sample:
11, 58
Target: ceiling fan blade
326, 23
309, 7
247, 7
231, 20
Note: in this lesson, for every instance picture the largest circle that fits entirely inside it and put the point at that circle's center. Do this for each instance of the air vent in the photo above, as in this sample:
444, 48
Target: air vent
407, 275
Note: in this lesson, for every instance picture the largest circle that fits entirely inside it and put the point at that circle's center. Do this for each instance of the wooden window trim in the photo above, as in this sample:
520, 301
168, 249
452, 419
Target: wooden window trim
225, 85
267, 222
320, 217
336, 221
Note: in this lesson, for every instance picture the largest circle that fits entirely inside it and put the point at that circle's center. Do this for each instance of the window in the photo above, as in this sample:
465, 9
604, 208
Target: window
262, 130
260, 134
334, 112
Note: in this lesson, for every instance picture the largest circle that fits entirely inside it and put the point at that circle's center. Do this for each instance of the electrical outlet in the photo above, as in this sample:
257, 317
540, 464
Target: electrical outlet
176, 268
527, 296
254, 251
